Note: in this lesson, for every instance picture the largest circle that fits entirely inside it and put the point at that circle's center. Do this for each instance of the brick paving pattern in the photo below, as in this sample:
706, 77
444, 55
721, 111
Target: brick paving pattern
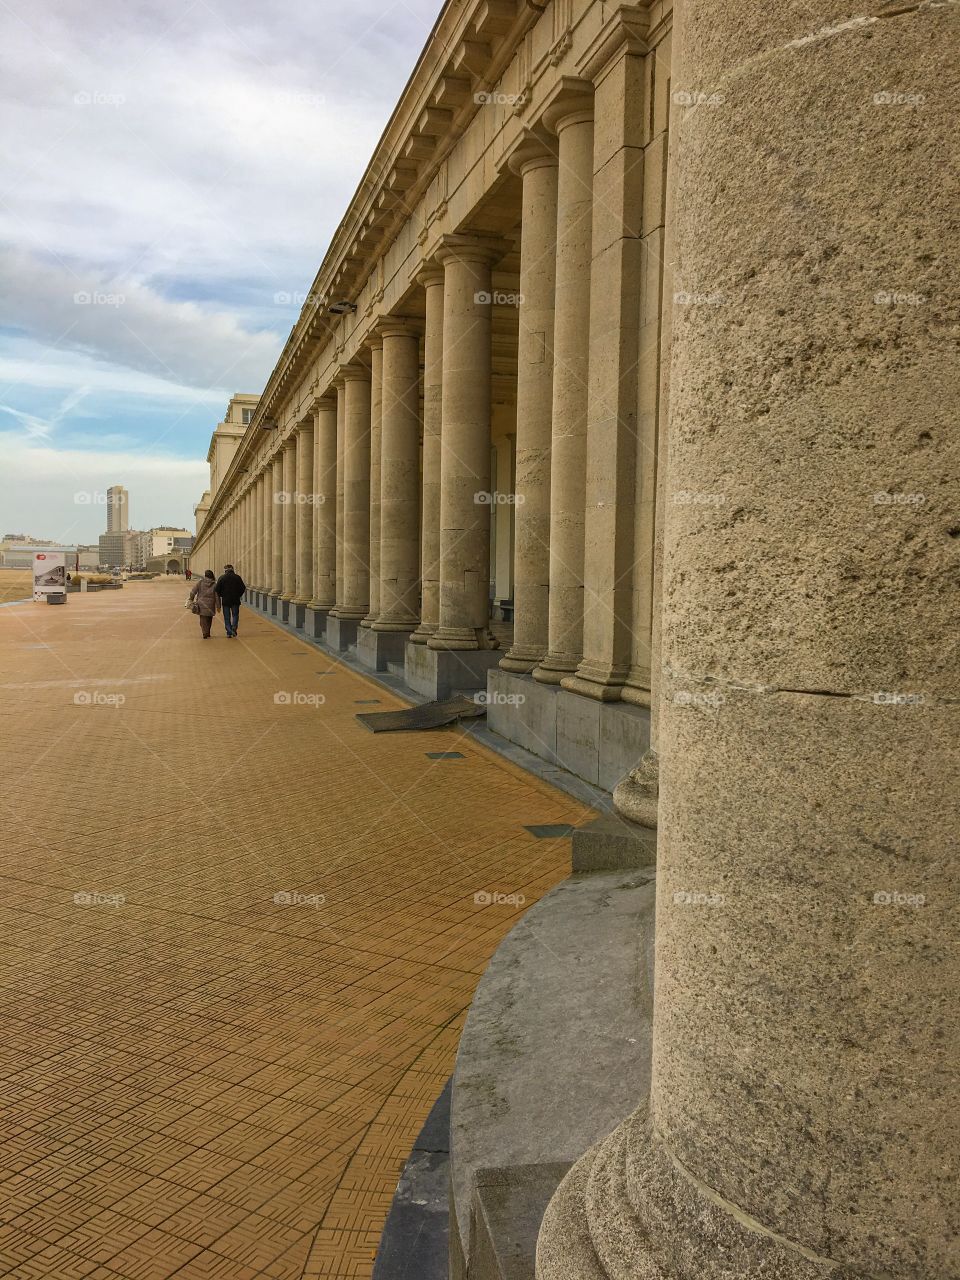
198, 1080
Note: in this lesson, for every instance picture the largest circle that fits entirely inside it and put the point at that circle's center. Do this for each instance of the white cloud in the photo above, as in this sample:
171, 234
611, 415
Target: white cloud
63, 484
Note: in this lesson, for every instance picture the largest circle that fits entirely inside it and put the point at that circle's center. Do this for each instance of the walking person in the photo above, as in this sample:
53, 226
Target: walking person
230, 589
204, 601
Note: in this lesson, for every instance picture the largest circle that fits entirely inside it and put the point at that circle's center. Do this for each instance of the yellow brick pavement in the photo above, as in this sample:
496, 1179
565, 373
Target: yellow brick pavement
197, 1080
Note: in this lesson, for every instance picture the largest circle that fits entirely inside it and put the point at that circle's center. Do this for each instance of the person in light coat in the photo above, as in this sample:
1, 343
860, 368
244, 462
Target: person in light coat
204, 601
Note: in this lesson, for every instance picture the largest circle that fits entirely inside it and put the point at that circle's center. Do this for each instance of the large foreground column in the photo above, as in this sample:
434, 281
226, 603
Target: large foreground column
399, 559
538, 271
432, 280
573, 122
803, 1119
465, 448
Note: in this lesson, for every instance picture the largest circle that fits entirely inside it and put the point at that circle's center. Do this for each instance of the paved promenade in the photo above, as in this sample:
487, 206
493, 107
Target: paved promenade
238, 937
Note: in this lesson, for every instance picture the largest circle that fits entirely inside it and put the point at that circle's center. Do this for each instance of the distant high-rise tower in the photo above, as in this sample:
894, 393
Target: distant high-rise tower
118, 512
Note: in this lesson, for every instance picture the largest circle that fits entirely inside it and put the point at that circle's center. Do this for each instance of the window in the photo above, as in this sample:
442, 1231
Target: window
247, 416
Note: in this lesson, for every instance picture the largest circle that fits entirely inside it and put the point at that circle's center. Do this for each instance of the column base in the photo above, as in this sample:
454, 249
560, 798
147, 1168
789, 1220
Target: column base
438, 673
463, 639
556, 667
341, 633
599, 691
381, 650
315, 621
629, 1211
521, 658
423, 633
637, 796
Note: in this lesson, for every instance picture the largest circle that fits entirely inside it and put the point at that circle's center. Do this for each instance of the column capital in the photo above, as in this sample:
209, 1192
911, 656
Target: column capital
429, 275
353, 371
535, 147
570, 102
399, 327
374, 339
464, 246
626, 31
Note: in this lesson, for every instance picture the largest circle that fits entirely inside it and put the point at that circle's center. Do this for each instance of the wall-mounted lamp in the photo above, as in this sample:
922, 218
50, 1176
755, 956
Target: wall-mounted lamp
342, 308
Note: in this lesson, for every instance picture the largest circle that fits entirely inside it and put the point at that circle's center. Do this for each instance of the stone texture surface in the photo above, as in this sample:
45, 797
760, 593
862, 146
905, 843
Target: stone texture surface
572, 985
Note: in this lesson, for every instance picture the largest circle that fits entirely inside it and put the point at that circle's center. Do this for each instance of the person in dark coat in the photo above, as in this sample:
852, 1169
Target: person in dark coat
230, 589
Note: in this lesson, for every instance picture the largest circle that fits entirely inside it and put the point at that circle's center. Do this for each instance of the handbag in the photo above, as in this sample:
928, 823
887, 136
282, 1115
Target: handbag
194, 608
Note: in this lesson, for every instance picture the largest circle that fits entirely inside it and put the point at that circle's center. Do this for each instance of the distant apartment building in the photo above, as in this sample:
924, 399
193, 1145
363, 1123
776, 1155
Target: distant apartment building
118, 509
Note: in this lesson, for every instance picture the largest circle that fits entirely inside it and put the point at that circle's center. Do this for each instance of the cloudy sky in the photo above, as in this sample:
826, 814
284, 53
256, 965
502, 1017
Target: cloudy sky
173, 173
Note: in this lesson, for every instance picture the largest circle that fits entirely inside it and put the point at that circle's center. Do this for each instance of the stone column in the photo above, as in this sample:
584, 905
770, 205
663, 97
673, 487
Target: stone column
258, 532
340, 388
276, 541
621, 104
400, 478
572, 120
465, 447
289, 515
353, 600
325, 509
803, 1118
432, 280
304, 509
375, 346
537, 167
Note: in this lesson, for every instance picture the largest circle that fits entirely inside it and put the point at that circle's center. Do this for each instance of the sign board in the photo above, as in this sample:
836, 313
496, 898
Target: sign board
49, 573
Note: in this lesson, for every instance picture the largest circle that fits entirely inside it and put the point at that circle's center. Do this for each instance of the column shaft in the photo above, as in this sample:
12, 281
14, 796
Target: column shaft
325, 508
289, 518
465, 451
305, 506
276, 516
538, 271
571, 347
376, 413
400, 480
341, 580
354, 600
432, 281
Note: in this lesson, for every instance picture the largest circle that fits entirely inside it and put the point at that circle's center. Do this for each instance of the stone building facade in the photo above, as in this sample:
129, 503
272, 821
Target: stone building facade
676, 280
